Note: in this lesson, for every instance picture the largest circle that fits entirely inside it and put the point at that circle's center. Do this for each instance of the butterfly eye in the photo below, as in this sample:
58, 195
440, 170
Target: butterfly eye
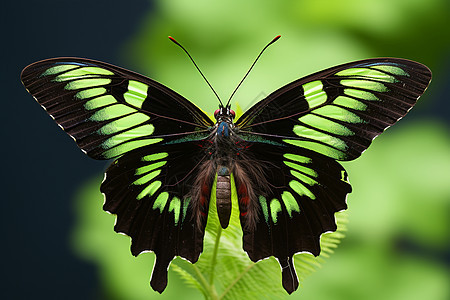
233, 114
216, 113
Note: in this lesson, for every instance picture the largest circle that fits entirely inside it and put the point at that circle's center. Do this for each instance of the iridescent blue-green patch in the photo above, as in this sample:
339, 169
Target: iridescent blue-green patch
314, 93
257, 139
124, 123
85, 94
290, 203
133, 99
112, 112
89, 71
100, 102
350, 103
175, 206
366, 72
301, 168
298, 158
137, 87
365, 95
155, 156
325, 125
338, 113
161, 201
149, 190
128, 135
275, 208
85, 72
264, 208
185, 207
365, 84
319, 136
146, 169
125, 147
321, 148
312, 87
58, 69
391, 69
300, 189
86, 83
136, 94
146, 178
303, 178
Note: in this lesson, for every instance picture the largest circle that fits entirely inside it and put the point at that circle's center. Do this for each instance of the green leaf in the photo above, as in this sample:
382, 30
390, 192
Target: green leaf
224, 270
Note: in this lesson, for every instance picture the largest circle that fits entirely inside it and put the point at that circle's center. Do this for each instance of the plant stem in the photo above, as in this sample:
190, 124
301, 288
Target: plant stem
209, 289
214, 255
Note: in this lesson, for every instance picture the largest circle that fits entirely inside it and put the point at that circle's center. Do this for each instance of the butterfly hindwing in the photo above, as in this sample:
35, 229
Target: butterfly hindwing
339, 111
149, 189
306, 189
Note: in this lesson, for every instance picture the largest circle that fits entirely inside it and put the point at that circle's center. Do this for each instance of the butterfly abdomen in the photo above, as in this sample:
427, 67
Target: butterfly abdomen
223, 195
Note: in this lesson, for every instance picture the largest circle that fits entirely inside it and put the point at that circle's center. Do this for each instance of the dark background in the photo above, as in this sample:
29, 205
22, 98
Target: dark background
37, 207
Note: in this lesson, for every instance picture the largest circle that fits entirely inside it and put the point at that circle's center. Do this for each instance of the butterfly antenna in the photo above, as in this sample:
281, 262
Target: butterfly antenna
190, 57
251, 67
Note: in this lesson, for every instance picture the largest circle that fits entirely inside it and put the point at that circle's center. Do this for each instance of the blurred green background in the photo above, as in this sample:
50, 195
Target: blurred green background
59, 244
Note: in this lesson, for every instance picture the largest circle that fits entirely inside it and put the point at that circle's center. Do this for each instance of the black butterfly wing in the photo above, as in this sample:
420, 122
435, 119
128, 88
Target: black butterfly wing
339, 111
299, 131
305, 190
109, 110
155, 133
151, 194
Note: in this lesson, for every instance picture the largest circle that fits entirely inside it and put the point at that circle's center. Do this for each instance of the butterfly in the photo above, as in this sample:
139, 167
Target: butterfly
281, 154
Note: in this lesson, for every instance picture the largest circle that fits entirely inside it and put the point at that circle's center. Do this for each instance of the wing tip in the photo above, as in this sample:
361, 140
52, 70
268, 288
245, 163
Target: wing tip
158, 280
289, 275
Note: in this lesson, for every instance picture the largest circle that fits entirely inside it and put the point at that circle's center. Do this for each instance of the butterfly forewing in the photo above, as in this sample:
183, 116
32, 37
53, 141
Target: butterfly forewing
339, 111
109, 110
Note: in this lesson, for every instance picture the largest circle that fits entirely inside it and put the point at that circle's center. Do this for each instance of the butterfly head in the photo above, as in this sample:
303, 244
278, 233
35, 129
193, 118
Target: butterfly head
224, 114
